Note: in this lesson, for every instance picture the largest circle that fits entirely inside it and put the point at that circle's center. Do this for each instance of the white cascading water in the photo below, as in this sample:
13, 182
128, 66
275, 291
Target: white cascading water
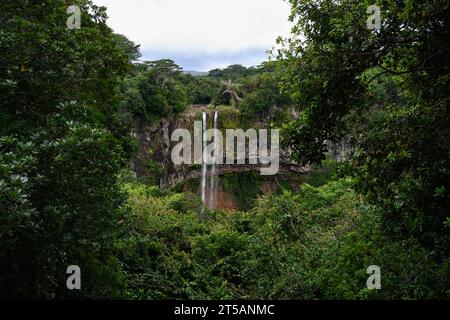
214, 178
203, 182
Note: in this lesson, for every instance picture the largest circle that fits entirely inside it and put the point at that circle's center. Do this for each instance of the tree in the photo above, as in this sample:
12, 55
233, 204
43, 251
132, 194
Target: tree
156, 89
128, 47
262, 95
62, 145
230, 89
402, 160
232, 72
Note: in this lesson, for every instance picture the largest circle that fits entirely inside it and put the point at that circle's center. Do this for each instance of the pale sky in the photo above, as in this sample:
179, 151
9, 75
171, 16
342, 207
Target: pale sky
201, 35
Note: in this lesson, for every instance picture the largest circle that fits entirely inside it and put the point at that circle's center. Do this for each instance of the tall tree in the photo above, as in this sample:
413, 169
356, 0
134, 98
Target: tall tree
131, 49
61, 147
230, 89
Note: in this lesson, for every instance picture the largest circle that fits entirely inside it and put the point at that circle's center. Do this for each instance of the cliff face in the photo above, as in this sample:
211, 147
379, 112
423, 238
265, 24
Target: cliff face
153, 158
152, 141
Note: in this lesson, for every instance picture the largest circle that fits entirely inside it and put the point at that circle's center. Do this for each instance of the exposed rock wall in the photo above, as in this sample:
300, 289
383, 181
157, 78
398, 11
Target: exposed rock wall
153, 158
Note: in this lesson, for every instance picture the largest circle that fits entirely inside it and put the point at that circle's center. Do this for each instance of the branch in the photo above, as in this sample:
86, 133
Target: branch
376, 76
394, 72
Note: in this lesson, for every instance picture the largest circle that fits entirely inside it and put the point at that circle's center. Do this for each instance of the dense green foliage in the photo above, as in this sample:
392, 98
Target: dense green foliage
61, 147
389, 90
255, 91
263, 98
68, 103
316, 244
155, 90
234, 72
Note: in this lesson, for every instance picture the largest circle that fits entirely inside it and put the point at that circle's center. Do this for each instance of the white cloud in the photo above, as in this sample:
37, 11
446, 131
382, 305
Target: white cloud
207, 26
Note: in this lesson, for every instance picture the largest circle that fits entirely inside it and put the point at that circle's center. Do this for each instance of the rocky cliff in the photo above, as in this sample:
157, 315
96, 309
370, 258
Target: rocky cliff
153, 159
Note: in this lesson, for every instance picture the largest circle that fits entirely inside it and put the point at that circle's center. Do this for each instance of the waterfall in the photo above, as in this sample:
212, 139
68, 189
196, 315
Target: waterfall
209, 203
203, 182
214, 178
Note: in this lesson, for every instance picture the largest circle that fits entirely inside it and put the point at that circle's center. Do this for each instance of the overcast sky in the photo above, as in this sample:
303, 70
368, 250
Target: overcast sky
201, 35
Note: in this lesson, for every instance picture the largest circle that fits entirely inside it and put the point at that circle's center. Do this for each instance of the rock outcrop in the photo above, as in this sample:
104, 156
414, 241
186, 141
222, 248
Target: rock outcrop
153, 159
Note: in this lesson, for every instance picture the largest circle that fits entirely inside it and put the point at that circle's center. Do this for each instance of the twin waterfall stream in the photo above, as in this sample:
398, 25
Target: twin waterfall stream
211, 201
